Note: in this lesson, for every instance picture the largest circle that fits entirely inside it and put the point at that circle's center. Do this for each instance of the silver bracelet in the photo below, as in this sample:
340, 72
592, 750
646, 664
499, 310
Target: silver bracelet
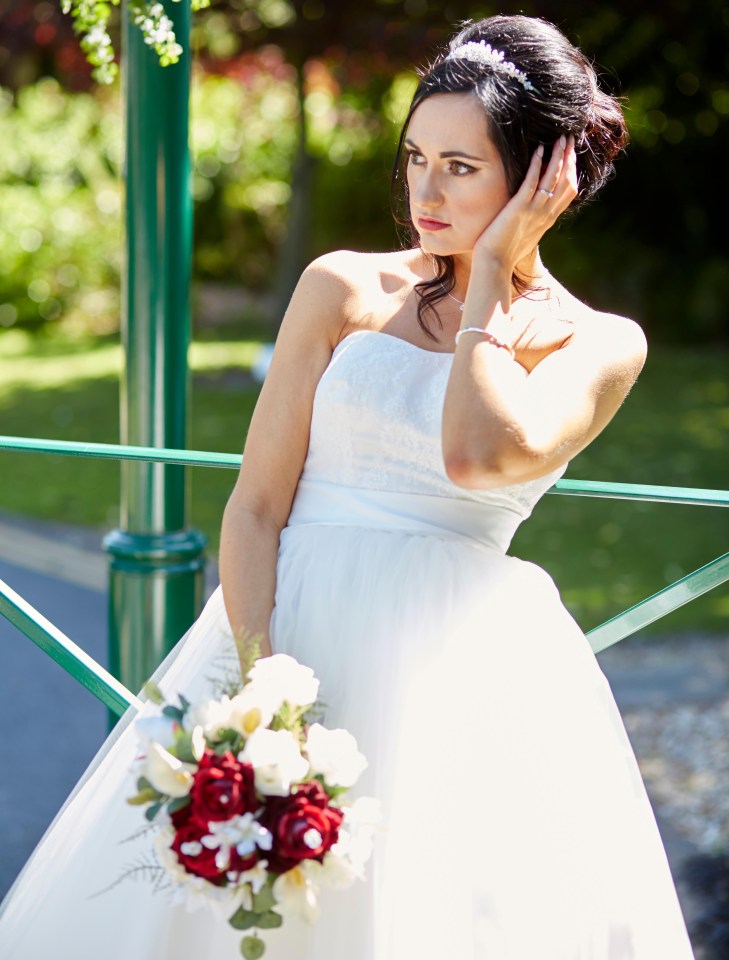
488, 338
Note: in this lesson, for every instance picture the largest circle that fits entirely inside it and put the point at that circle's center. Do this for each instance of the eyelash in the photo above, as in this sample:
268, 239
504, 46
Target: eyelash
465, 167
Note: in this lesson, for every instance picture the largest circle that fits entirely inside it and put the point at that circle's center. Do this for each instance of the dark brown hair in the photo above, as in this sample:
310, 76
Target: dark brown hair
566, 100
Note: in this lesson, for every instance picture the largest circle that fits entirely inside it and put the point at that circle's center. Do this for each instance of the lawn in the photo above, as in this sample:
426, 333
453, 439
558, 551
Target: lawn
603, 555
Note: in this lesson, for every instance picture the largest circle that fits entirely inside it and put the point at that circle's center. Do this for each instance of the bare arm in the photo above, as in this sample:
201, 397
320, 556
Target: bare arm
500, 424
275, 451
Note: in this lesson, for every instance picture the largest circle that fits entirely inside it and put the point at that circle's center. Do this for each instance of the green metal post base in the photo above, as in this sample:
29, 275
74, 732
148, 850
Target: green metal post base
155, 594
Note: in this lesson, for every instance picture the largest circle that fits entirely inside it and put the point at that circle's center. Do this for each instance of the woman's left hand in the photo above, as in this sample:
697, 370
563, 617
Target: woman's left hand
534, 208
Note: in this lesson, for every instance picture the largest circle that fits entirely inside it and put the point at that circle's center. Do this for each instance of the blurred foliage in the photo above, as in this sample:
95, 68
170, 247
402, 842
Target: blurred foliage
60, 193
653, 246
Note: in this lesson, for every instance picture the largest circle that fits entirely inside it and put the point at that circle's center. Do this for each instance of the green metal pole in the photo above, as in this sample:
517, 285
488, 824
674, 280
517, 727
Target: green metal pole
156, 563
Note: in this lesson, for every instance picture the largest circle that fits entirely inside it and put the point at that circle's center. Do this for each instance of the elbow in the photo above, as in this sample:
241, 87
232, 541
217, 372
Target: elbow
497, 467
476, 474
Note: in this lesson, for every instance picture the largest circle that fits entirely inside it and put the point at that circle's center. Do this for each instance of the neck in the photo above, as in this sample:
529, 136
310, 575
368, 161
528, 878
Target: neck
529, 267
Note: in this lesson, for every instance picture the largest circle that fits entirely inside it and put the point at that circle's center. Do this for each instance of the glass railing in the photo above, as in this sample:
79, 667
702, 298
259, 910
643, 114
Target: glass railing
117, 698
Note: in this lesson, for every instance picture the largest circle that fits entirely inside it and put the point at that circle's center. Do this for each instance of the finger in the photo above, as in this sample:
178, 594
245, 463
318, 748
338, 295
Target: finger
551, 176
531, 180
564, 190
566, 187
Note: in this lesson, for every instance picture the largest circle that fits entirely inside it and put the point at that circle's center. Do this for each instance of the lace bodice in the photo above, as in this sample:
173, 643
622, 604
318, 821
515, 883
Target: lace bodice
376, 424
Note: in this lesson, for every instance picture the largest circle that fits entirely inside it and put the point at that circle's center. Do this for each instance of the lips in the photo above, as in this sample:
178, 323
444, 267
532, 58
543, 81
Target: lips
425, 223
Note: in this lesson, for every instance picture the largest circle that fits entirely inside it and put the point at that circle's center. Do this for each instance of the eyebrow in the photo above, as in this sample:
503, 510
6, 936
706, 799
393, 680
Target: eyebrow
448, 154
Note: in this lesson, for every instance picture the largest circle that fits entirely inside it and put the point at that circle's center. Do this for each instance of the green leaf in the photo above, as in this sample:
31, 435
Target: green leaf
151, 812
177, 804
252, 948
264, 899
270, 920
183, 747
144, 784
244, 919
153, 693
174, 713
144, 796
184, 703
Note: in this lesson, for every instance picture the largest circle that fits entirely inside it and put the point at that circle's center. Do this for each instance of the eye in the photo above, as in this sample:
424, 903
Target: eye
414, 158
461, 169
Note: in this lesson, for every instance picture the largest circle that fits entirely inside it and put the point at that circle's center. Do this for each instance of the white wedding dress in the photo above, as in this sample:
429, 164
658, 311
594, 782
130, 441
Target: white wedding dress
516, 825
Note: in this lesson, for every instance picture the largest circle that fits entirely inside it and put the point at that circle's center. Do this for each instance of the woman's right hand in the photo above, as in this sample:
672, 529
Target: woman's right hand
542, 198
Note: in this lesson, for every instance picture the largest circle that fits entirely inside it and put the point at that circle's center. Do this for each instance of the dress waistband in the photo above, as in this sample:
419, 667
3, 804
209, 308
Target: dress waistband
319, 502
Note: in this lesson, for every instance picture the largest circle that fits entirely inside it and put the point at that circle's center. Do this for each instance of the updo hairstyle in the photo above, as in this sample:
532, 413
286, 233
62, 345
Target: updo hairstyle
566, 99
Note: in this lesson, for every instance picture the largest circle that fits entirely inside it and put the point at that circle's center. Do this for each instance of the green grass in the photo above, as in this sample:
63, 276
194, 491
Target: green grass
604, 555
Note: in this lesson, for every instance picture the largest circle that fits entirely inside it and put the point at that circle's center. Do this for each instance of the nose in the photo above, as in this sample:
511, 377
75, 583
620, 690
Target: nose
426, 192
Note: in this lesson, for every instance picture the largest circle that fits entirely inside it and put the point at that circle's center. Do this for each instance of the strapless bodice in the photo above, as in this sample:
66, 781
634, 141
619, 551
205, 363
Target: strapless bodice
376, 429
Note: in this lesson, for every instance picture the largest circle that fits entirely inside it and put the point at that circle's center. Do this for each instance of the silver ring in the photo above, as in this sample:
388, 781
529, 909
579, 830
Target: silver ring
547, 193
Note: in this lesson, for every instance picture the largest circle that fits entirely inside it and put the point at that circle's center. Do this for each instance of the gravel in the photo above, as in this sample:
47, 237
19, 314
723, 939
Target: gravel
674, 697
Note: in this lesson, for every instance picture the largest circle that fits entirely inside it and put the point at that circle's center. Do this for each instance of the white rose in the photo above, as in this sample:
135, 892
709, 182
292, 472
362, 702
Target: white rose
296, 892
166, 773
211, 715
285, 676
276, 760
334, 754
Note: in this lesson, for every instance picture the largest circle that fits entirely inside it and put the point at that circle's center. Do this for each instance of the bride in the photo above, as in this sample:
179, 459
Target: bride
418, 405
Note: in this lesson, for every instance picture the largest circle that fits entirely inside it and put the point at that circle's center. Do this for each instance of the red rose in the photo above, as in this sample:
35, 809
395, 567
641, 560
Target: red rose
202, 861
196, 857
294, 823
222, 788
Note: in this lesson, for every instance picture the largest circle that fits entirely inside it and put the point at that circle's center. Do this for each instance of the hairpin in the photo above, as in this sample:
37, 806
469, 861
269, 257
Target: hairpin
483, 52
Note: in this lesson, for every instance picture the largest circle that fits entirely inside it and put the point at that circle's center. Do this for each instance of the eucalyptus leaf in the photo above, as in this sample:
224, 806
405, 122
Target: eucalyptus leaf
270, 920
244, 919
264, 899
174, 713
177, 804
183, 747
151, 812
252, 948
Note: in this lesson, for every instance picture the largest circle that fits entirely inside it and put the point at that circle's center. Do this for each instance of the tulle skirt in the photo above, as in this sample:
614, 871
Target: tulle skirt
515, 822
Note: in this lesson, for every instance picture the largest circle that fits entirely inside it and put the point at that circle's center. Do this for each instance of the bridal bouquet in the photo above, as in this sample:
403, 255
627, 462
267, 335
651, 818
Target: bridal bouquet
249, 800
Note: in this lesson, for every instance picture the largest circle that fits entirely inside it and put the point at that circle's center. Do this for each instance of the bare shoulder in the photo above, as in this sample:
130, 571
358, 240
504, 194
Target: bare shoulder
355, 270
357, 282
616, 343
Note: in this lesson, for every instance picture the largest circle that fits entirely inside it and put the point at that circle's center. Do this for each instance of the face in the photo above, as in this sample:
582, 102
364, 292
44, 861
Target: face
456, 179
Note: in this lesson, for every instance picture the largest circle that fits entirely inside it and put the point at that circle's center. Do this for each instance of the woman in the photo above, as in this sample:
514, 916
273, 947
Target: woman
418, 405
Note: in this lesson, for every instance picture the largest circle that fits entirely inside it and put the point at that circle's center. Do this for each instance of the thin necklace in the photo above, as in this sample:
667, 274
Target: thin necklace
460, 304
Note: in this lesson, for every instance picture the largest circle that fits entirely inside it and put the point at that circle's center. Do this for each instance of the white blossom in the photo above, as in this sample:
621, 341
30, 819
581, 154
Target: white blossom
337, 870
243, 834
252, 708
166, 773
334, 754
276, 760
159, 729
189, 891
286, 678
296, 892
211, 715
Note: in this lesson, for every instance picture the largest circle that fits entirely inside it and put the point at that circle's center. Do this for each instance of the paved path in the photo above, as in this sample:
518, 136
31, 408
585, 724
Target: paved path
61, 570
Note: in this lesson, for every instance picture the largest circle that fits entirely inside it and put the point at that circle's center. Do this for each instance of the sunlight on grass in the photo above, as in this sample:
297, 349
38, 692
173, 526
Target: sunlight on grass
42, 363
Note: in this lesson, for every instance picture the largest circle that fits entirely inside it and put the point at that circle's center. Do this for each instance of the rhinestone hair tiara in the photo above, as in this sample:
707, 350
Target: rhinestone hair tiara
483, 52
